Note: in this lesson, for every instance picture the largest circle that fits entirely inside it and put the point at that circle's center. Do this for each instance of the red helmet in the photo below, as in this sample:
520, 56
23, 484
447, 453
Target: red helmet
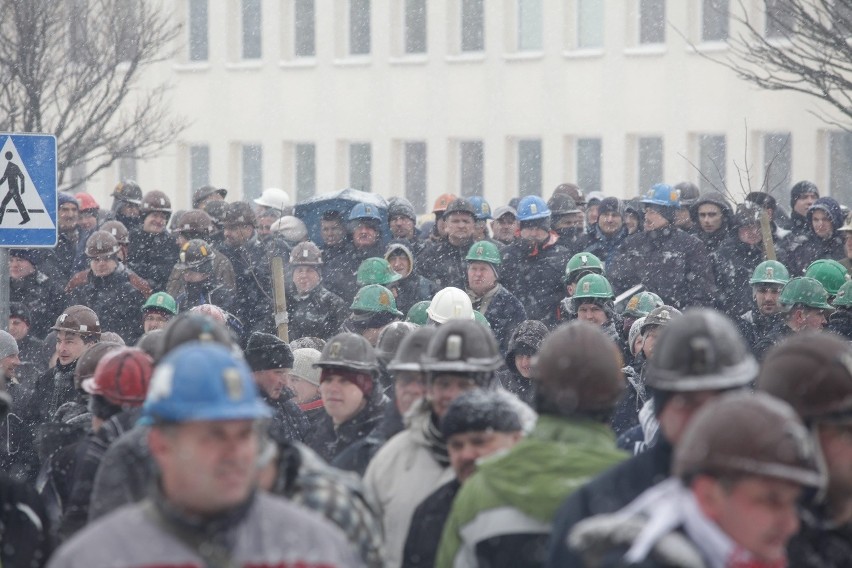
122, 377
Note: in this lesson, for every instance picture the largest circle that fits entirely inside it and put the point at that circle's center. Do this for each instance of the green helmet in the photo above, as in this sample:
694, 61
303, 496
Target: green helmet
806, 291
417, 313
484, 251
161, 301
376, 271
582, 262
770, 272
641, 304
375, 298
843, 299
594, 286
830, 273
479, 318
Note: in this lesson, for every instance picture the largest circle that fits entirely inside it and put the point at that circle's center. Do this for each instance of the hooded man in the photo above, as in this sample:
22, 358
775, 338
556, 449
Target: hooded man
411, 287
823, 239
712, 214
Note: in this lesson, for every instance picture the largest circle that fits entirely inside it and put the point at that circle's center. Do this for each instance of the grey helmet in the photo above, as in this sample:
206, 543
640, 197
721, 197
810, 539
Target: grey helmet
349, 351
410, 353
462, 346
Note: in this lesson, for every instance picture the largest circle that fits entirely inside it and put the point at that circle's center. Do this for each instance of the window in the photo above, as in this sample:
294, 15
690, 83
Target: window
199, 166
306, 171
198, 45
842, 17
127, 168
415, 26
252, 171
472, 167
529, 167
359, 27
652, 21
251, 26
840, 166
415, 174
588, 24
649, 162
714, 20
777, 161
304, 34
360, 166
589, 163
780, 19
472, 25
711, 161
530, 21
77, 30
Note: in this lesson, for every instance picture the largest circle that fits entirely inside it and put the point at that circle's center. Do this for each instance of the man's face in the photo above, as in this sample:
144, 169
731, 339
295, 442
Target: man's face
130, 210
757, 513
67, 216
206, 467
155, 319
710, 217
88, 219
155, 222
400, 263
631, 220
504, 228
18, 328
408, 387
305, 391
523, 362
103, 265
238, 235
305, 278
466, 448
332, 232
750, 234
342, 398
9, 364
69, 346
649, 339
678, 411
480, 277
766, 297
592, 214
592, 313
821, 223
20, 268
654, 220
401, 227
264, 226
568, 221
610, 222
803, 203
364, 235
534, 234
459, 228
683, 219
272, 381
810, 318
445, 388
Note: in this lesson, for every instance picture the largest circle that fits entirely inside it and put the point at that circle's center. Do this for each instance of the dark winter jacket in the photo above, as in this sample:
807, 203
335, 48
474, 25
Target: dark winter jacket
668, 262
24, 529
209, 291
424, 536
606, 493
526, 339
253, 295
116, 302
601, 245
33, 358
626, 413
412, 289
44, 298
357, 457
330, 441
504, 313
803, 249
444, 264
288, 422
534, 275
772, 337
124, 475
840, 322
819, 544
319, 313
152, 256
715, 239
733, 264
340, 267
223, 273
59, 261
755, 327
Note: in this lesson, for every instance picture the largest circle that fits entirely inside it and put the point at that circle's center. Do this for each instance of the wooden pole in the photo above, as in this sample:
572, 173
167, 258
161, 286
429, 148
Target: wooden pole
766, 232
279, 289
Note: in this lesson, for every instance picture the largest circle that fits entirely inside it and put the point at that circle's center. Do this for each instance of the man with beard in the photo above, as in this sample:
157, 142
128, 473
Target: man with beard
533, 265
443, 261
607, 234
767, 281
823, 239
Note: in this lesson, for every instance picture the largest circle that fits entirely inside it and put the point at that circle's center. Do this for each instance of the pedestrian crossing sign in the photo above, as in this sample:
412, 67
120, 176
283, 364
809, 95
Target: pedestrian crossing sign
28, 193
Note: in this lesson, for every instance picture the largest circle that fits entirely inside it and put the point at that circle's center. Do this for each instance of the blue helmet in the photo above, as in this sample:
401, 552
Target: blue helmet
202, 381
364, 211
483, 210
532, 207
662, 194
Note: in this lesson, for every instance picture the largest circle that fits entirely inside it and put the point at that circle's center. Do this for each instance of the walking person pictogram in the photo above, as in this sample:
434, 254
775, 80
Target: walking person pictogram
11, 176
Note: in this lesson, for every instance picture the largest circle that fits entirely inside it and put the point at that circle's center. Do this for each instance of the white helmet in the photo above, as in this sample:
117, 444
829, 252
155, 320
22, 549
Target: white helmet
450, 303
291, 228
273, 197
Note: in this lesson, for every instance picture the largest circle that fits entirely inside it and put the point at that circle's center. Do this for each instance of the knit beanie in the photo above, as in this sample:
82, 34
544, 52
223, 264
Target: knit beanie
480, 410
364, 381
303, 365
8, 345
30, 255
265, 351
610, 205
800, 189
20, 311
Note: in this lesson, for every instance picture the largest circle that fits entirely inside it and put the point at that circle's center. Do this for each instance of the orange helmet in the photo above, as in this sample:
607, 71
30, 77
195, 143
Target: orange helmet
442, 202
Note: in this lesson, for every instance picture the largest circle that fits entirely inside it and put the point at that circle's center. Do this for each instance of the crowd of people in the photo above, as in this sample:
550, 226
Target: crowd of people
577, 381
